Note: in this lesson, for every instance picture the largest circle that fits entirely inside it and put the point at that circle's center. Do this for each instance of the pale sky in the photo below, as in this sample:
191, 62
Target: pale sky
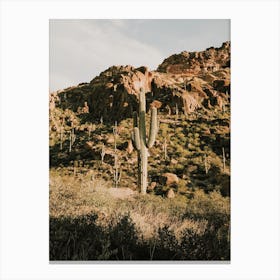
81, 49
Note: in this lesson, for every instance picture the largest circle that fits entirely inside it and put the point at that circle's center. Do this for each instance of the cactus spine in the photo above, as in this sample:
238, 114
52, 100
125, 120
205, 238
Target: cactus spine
139, 139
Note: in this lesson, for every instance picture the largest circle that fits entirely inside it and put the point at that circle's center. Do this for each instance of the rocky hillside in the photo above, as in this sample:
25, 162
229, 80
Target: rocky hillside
194, 63
192, 93
187, 81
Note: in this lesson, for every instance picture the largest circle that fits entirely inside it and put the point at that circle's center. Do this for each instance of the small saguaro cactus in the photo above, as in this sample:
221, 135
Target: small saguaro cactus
164, 147
102, 153
117, 172
206, 163
89, 130
61, 137
62, 133
72, 138
139, 139
176, 112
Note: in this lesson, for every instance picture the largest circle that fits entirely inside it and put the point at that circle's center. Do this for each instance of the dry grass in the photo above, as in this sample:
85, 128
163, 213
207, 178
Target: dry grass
73, 196
90, 220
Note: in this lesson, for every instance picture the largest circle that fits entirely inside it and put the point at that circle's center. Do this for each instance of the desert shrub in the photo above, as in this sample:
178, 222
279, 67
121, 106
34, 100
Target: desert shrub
216, 164
78, 239
212, 207
179, 150
123, 238
193, 226
214, 242
209, 245
82, 239
177, 169
166, 244
181, 138
191, 147
182, 187
224, 186
164, 128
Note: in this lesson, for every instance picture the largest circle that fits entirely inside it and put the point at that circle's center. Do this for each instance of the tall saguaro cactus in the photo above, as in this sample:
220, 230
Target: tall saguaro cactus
140, 142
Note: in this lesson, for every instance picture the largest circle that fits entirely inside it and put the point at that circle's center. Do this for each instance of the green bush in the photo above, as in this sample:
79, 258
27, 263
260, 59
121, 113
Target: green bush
166, 245
123, 238
78, 239
210, 245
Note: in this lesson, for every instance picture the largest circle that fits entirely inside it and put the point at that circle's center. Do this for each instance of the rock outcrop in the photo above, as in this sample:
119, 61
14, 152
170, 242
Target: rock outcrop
185, 82
194, 63
169, 179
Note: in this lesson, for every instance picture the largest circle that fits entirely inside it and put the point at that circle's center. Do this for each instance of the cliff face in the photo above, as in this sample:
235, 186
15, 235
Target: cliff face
187, 82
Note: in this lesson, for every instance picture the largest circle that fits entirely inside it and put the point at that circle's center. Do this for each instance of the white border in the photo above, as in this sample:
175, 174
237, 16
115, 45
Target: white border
255, 138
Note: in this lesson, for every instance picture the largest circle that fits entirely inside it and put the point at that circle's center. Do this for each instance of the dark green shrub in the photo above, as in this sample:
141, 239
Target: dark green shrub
123, 238
212, 244
166, 245
78, 239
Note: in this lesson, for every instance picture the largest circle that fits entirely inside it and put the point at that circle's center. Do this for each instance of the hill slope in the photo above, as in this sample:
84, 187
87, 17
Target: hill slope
192, 94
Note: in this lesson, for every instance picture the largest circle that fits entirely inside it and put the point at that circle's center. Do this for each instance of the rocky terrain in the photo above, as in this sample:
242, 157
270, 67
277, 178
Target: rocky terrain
187, 81
191, 91
93, 163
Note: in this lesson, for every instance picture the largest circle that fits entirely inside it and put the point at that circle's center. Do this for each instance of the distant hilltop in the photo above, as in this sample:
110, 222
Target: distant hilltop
212, 59
187, 82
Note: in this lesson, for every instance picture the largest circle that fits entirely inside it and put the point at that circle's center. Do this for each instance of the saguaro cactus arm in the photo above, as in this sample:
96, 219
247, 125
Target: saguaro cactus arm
136, 138
153, 128
142, 115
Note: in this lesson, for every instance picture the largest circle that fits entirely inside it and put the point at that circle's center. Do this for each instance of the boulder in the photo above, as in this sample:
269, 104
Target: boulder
174, 161
170, 193
192, 168
170, 179
152, 186
89, 145
110, 139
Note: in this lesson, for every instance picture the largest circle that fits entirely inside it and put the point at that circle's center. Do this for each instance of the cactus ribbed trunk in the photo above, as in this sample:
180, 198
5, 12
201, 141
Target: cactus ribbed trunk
139, 140
143, 149
143, 170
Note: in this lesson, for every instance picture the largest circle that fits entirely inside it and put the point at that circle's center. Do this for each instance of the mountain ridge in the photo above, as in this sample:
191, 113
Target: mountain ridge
186, 82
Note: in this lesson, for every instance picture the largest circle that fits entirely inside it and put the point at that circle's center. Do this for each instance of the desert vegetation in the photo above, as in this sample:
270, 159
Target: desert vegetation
148, 186
91, 221
118, 223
